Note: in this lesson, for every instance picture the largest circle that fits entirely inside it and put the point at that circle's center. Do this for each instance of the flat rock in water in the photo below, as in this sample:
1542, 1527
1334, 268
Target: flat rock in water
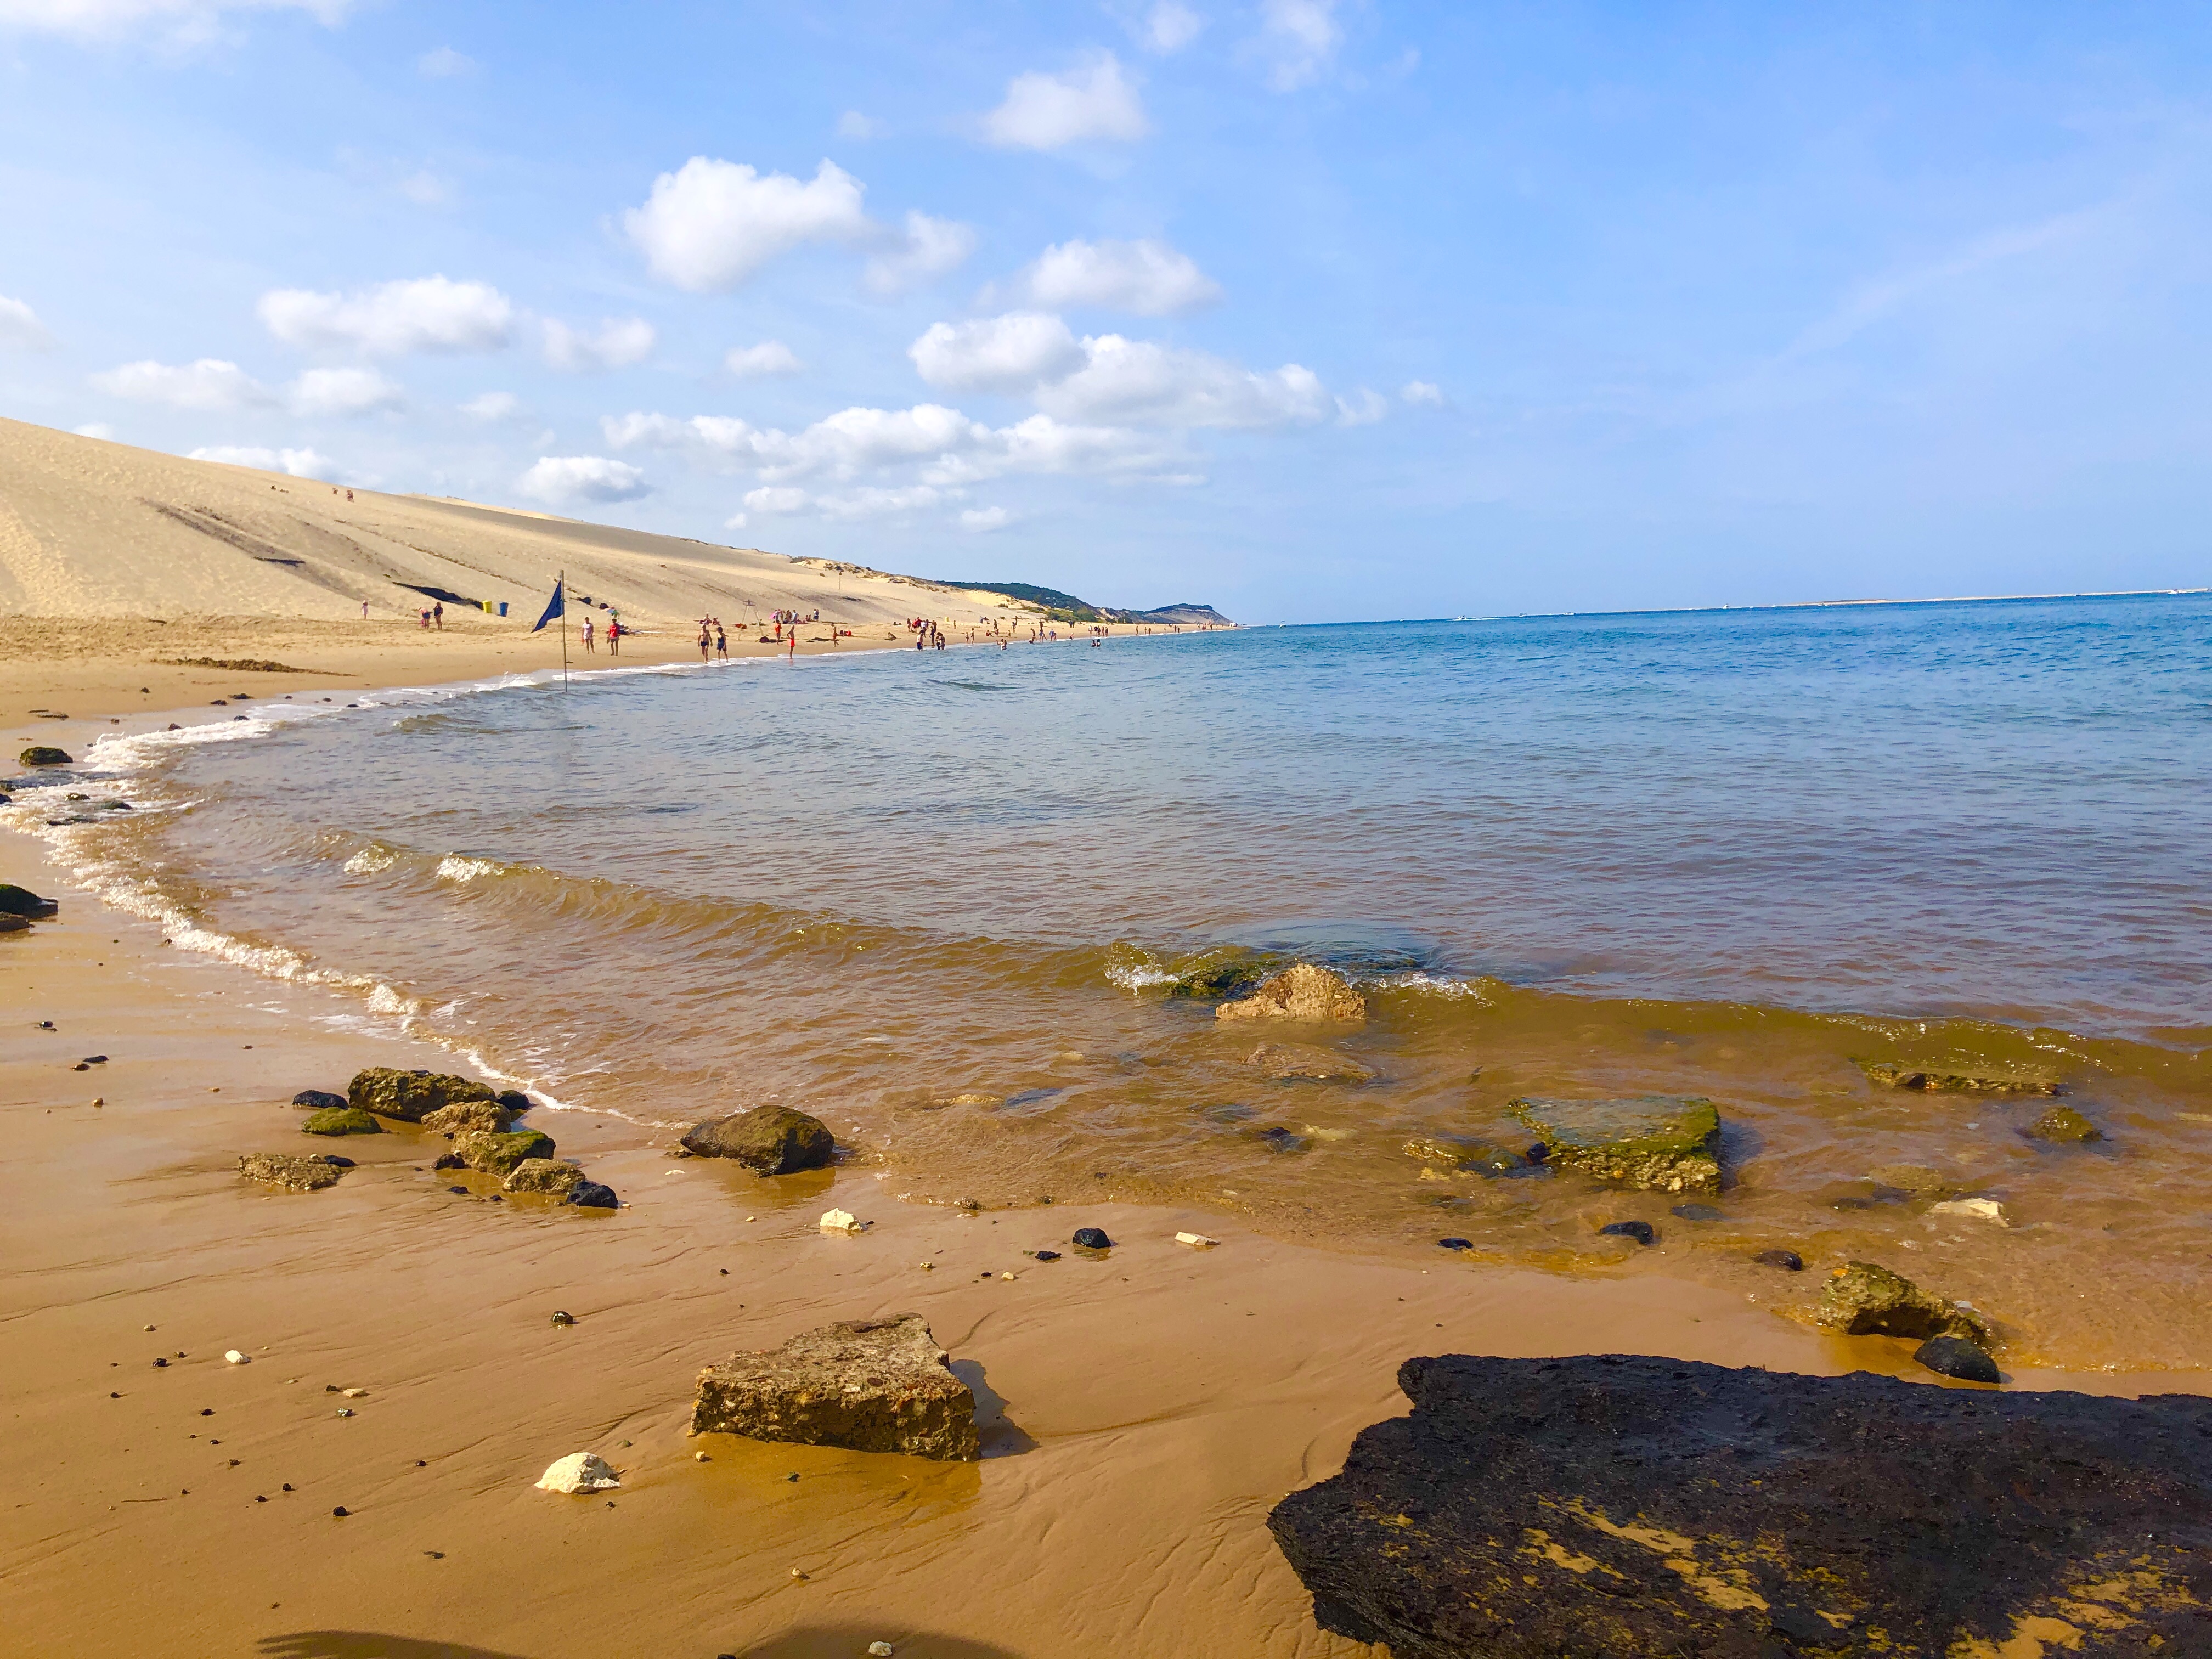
503, 1154
410, 1096
1862, 1298
543, 1175
464, 1117
768, 1140
1300, 1063
1652, 1141
591, 1195
1940, 1080
40, 754
1955, 1356
879, 1385
1631, 1507
319, 1100
339, 1121
298, 1174
1299, 992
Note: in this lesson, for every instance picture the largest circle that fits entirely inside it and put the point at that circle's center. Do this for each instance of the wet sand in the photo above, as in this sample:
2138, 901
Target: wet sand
1146, 1411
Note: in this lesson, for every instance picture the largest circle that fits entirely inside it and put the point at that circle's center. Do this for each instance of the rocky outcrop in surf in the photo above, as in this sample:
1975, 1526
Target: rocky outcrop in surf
1635, 1507
1302, 992
412, 1096
1650, 1141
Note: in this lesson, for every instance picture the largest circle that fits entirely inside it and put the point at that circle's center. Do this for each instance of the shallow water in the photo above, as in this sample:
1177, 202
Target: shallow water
1725, 854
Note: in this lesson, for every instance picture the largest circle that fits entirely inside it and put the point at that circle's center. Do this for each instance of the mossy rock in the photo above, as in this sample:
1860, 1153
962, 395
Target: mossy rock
340, 1120
39, 754
1866, 1299
298, 1174
411, 1096
1222, 972
1945, 1080
471, 1117
2063, 1123
1654, 1142
501, 1154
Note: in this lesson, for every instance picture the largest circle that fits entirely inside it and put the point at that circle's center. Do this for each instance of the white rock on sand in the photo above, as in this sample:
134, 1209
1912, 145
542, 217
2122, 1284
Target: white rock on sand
841, 1221
1978, 1209
1196, 1241
237, 1358
579, 1472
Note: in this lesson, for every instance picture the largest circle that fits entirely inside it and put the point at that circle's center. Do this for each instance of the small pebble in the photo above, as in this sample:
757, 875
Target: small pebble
1455, 1243
1639, 1230
880, 1650
339, 1511
1788, 1261
288, 1485
795, 1572
701, 1457
356, 1394
1092, 1238
160, 1362
345, 1411
207, 1411
563, 1317
793, 1476
235, 1358
1955, 1356
1046, 1255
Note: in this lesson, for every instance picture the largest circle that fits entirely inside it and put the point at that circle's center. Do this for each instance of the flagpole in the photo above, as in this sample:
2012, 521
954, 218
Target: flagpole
563, 583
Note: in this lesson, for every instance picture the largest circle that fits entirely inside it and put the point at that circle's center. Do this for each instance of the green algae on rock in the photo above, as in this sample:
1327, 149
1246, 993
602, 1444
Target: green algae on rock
1942, 1081
2063, 1123
470, 1117
1656, 1142
1866, 1299
298, 1174
39, 754
340, 1120
501, 1154
411, 1096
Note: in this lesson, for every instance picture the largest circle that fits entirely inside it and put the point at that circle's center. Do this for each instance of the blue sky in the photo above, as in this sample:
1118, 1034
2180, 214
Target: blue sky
1311, 311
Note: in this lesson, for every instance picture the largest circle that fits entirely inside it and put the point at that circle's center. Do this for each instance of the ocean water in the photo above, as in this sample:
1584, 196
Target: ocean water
941, 899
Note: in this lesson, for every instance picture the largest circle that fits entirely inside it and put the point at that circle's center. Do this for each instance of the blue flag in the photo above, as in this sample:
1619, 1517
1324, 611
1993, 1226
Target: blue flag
555, 607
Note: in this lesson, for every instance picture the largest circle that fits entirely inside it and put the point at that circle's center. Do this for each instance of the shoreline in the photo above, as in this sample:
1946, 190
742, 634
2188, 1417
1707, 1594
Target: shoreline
1156, 1405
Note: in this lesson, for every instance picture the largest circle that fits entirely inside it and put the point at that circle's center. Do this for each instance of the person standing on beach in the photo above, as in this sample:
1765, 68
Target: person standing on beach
614, 636
589, 647
721, 644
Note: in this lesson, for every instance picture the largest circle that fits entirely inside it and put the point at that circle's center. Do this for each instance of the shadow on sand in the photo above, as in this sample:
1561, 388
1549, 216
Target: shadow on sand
824, 1642
1001, 1437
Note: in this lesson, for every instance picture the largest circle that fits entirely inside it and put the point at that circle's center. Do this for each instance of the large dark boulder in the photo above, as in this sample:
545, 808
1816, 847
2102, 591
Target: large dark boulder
1630, 1506
23, 901
768, 1141
411, 1096
41, 754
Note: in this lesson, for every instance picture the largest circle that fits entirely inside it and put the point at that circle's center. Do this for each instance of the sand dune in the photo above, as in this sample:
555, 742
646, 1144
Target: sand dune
90, 529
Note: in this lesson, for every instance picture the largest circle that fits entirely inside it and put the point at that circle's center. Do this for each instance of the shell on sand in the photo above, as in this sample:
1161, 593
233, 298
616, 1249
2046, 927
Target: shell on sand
579, 1472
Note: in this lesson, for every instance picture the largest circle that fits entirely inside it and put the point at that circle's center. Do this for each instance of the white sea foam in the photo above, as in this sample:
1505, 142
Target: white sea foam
370, 861
458, 867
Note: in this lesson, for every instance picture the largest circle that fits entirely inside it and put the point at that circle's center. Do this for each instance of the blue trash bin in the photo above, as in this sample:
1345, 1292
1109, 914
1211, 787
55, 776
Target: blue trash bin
503, 607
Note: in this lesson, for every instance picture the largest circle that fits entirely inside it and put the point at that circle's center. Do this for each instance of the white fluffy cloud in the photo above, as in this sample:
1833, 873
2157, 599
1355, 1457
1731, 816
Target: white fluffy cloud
870, 502
444, 64
300, 463
1011, 353
1144, 383
430, 314
342, 391
983, 519
1423, 392
1299, 39
711, 224
1147, 277
178, 19
1364, 408
492, 406
95, 430
928, 247
618, 342
1089, 104
209, 385
855, 125
947, 447
1106, 379
1167, 27
566, 479
768, 357
20, 325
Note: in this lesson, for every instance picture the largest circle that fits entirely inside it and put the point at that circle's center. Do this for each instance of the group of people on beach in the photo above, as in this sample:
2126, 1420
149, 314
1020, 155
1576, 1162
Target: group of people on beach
615, 631
712, 640
928, 635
